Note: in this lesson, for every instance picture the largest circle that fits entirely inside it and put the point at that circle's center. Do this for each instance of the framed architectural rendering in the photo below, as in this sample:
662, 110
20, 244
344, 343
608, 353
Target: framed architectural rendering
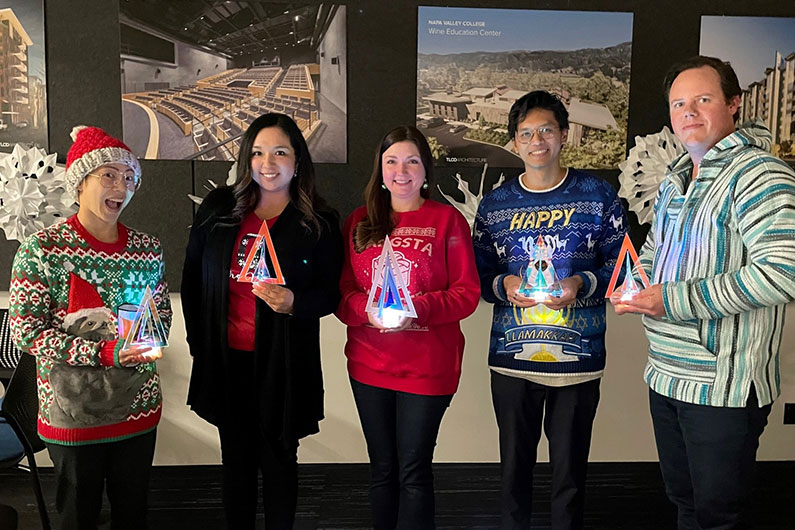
762, 52
473, 63
196, 73
23, 77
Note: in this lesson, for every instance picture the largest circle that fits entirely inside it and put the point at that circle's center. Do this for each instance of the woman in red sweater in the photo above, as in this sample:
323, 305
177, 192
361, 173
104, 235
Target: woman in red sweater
404, 377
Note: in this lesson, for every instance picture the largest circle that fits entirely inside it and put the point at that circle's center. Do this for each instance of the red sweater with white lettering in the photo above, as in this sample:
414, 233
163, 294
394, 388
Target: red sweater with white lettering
434, 250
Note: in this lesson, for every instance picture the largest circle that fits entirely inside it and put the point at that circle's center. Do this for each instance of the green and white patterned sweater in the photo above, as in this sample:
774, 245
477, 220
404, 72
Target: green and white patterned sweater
723, 246
85, 396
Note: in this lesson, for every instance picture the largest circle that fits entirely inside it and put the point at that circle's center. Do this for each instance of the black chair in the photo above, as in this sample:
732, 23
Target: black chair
8, 518
9, 354
20, 408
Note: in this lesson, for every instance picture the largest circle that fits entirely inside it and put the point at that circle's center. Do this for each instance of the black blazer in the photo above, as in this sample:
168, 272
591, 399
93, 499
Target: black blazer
289, 377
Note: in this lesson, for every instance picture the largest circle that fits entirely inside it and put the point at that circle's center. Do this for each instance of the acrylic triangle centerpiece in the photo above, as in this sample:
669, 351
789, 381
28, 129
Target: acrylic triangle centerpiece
146, 329
389, 299
539, 280
630, 287
256, 268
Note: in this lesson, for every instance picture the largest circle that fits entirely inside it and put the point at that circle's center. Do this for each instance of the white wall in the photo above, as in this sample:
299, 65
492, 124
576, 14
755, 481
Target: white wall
333, 77
622, 431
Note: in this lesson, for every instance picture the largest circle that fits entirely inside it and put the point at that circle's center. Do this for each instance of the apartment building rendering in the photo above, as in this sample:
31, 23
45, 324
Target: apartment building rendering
23, 104
772, 99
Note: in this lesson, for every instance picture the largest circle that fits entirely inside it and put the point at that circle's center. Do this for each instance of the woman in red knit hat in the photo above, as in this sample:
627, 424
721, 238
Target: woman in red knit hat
100, 402
403, 376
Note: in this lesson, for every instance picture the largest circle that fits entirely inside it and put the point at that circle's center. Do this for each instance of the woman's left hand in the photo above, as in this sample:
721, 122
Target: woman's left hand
279, 298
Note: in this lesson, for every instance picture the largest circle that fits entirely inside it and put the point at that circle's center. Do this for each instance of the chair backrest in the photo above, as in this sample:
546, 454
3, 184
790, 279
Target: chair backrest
9, 354
21, 402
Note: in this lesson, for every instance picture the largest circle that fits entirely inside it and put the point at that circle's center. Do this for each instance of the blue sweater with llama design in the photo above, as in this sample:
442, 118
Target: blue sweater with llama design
582, 224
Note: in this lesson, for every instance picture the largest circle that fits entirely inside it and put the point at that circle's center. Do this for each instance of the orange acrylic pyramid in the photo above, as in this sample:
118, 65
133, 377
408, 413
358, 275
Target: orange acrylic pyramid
629, 286
256, 265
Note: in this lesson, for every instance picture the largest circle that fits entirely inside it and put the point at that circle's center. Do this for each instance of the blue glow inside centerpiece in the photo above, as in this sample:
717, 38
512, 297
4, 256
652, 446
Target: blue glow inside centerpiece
630, 287
389, 304
389, 299
539, 280
261, 272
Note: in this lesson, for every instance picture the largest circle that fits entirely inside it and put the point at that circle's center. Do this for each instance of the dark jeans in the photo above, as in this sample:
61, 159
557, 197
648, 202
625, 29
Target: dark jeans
400, 429
82, 471
567, 414
246, 451
707, 457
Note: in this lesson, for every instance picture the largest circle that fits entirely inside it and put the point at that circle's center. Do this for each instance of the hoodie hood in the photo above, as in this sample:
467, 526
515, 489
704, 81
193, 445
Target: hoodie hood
752, 134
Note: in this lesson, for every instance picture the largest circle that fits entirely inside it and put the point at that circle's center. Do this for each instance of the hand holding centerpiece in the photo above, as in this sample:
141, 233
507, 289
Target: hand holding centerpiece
389, 300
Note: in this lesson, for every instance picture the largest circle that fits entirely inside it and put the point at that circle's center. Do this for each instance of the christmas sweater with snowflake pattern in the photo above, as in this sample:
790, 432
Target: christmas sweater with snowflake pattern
582, 224
85, 395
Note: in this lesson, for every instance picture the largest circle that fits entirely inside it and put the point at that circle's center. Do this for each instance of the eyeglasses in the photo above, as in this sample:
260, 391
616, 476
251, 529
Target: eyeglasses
110, 177
545, 131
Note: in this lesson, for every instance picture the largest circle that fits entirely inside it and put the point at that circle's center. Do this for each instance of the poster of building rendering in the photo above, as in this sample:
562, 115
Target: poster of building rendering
472, 64
196, 73
762, 52
23, 80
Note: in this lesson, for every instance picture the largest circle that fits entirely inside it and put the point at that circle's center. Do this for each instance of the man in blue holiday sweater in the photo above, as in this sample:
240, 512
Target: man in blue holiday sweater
546, 357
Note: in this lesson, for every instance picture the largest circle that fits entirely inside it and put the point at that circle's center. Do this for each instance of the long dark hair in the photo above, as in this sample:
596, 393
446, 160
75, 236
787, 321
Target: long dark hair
379, 221
302, 188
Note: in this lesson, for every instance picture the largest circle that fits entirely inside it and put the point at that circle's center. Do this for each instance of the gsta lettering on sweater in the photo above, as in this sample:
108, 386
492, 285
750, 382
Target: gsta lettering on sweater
414, 243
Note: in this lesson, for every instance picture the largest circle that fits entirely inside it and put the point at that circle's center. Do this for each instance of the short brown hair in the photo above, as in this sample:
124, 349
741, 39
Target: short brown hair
728, 79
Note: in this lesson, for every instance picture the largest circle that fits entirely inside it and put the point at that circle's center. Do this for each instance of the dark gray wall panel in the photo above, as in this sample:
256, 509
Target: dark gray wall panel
209, 171
162, 208
83, 72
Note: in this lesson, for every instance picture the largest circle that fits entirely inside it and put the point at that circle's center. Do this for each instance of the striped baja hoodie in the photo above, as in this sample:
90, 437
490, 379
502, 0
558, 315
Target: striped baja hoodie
723, 248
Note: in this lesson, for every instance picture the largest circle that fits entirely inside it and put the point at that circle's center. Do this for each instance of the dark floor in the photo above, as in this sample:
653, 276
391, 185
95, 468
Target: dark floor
620, 496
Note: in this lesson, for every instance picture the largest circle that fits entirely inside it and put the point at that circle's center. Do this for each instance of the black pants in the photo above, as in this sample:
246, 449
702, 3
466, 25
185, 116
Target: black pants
401, 430
707, 457
246, 450
567, 414
82, 471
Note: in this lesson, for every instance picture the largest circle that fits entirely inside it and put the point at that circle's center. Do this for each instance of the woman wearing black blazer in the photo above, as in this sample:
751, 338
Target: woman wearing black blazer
256, 347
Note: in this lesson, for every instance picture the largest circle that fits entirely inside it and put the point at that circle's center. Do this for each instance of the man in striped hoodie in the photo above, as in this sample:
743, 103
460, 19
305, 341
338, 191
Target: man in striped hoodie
721, 251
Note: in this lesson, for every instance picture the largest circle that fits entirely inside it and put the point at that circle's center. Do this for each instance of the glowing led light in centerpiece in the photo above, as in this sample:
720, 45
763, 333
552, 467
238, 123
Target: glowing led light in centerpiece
539, 280
389, 299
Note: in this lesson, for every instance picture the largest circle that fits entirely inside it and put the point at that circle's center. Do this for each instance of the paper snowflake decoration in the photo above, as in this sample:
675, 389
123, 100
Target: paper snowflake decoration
644, 170
231, 177
469, 207
33, 192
